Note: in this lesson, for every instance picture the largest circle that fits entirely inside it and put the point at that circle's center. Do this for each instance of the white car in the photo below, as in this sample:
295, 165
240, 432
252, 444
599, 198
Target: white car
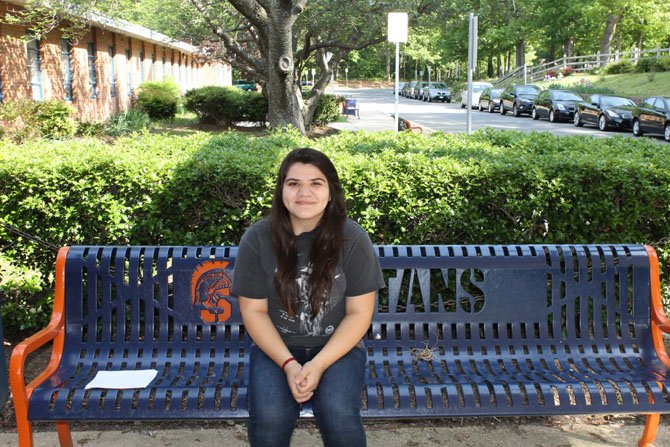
477, 89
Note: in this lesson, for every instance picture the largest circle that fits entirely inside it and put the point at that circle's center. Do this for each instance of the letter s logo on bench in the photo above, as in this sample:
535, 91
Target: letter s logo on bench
210, 290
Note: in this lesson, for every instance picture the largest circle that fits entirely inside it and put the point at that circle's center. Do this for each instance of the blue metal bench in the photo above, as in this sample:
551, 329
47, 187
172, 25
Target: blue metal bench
351, 108
460, 331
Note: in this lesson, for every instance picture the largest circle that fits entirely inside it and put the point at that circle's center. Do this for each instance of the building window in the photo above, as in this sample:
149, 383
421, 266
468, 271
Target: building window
142, 66
153, 73
189, 77
130, 74
178, 68
1, 97
92, 75
66, 68
35, 67
112, 72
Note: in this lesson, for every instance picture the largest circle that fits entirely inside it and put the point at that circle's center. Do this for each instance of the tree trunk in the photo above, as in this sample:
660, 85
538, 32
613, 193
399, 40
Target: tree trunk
608, 36
489, 69
500, 67
284, 97
552, 52
568, 47
520, 52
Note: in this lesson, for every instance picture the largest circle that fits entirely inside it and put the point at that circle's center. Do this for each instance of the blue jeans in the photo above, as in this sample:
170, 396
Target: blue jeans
336, 402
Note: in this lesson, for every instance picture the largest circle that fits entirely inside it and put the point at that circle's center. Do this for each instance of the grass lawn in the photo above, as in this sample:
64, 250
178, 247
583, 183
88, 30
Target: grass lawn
634, 85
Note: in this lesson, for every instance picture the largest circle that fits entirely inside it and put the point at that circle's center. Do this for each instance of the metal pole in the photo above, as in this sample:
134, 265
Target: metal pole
397, 81
468, 102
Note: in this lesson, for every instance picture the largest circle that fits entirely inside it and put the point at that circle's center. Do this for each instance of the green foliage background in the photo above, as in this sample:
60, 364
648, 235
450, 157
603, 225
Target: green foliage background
491, 187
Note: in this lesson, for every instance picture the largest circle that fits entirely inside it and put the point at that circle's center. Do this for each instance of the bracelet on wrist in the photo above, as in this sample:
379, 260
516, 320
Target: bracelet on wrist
287, 361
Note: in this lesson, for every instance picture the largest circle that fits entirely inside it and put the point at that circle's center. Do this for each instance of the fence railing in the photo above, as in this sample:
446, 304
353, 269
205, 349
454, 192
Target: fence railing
578, 64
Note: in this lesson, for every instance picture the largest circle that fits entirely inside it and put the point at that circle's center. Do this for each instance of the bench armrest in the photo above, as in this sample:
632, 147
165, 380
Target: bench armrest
55, 331
659, 320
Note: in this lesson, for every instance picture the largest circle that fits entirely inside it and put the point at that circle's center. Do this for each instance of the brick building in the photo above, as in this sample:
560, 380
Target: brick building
100, 72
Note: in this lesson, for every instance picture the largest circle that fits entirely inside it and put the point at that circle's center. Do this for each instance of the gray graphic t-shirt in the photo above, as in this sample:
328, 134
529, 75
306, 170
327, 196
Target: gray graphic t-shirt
357, 272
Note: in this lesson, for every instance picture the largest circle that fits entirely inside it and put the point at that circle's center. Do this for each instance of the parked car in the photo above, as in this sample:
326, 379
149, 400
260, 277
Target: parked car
243, 84
436, 91
418, 90
605, 112
519, 99
490, 99
408, 89
556, 105
477, 89
652, 116
400, 87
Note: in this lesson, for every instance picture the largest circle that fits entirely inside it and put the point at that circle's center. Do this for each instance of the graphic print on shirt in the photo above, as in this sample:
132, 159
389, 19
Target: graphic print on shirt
309, 326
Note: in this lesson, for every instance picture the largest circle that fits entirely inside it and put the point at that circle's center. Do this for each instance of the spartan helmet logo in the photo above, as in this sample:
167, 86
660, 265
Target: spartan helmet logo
210, 291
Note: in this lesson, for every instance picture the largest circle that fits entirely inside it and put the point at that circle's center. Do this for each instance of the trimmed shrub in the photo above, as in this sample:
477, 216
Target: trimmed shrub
647, 64
226, 105
664, 63
327, 110
254, 107
27, 119
620, 67
159, 99
490, 187
653, 64
53, 119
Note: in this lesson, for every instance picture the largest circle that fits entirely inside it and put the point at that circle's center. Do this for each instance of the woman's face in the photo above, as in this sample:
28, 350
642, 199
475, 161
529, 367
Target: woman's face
305, 194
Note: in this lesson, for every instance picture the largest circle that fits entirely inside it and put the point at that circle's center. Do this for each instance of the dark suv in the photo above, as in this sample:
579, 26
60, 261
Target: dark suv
519, 99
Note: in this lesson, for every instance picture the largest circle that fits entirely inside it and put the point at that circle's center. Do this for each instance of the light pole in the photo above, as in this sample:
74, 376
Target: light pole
429, 75
397, 32
313, 74
346, 76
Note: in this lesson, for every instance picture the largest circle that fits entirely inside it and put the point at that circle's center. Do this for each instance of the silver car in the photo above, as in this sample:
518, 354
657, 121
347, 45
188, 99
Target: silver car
436, 91
477, 89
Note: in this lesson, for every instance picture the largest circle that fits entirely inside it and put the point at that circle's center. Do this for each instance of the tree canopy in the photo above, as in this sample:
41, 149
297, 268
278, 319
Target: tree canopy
277, 42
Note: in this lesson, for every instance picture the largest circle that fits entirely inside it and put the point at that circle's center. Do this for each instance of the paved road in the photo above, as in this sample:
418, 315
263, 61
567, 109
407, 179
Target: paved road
451, 118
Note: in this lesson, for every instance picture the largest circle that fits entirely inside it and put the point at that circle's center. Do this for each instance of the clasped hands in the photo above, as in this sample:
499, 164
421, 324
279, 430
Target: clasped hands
303, 379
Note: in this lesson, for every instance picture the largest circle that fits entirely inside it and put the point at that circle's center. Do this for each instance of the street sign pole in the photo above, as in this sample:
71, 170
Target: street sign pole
397, 83
397, 32
472, 63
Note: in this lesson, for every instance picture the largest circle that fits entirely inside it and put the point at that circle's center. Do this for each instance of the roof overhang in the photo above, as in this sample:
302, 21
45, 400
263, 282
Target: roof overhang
128, 29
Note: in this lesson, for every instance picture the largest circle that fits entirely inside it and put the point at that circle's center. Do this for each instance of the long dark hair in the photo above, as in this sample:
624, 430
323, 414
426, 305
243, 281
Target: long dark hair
325, 251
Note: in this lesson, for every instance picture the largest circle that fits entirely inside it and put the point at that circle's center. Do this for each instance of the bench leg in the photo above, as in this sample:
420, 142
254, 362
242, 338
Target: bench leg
650, 430
64, 436
25, 430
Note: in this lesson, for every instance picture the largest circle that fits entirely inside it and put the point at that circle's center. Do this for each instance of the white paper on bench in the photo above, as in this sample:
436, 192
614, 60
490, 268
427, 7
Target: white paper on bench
123, 380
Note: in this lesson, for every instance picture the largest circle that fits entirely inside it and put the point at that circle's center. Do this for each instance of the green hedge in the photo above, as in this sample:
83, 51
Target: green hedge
620, 67
226, 105
159, 99
491, 187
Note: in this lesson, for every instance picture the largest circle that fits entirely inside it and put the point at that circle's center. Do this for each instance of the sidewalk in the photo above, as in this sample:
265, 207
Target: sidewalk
561, 431
374, 116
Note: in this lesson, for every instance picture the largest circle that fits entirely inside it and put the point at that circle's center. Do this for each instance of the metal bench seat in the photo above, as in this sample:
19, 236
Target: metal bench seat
459, 331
